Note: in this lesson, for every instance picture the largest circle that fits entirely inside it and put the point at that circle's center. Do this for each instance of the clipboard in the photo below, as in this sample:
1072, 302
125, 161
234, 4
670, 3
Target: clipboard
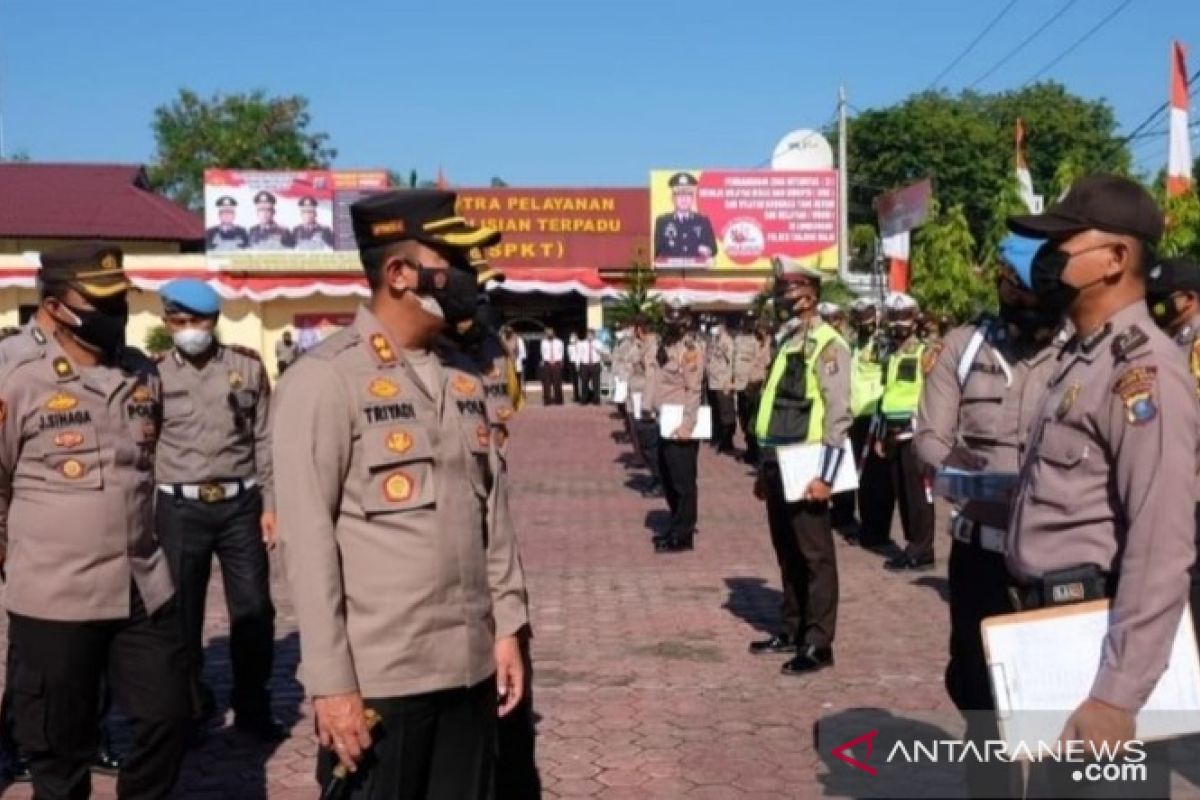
670, 417
1042, 663
800, 463
620, 390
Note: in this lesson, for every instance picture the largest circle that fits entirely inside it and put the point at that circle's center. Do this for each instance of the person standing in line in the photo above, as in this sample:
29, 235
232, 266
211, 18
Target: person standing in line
719, 374
574, 374
590, 354
552, 369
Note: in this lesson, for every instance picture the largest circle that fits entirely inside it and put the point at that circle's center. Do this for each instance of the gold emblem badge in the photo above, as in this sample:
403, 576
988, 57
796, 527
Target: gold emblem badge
383, 348
109, 263
398, 487
399, 441
72, 469
62, 368
142, 394
382, 387
483, 436
236, 379
61, 401
465, 385
504, 413
1068, 400
68, 440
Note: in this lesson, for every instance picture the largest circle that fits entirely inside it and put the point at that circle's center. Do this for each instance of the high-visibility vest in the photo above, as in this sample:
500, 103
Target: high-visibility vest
791, 409
904, 379
866, 380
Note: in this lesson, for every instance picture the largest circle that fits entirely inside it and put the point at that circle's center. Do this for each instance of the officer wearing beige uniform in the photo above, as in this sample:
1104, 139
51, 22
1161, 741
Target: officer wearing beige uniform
719, 374
392, 495
215, 496
1107, 495
88, 591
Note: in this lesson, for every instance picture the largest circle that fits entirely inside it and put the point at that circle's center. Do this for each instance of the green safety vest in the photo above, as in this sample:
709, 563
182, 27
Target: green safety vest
791, 409
866, 381
902, 389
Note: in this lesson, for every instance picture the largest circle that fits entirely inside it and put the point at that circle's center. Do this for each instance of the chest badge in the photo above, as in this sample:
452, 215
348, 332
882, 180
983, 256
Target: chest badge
399, 442
1068, 400
72, 469
464, 385
61, 401
142, 394
68, 440
236, 380
62, 368
398, 487
382, 387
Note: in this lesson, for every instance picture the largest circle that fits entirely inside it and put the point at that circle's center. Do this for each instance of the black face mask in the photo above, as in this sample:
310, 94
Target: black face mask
901, 330
456, 291
1028, 321
1045, 278
481, 326
103, 328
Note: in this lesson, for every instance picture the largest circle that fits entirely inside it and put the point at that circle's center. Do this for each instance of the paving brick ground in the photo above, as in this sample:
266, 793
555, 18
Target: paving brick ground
643, 684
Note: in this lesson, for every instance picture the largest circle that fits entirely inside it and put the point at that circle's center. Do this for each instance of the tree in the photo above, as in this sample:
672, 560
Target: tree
638, 299
1182, 234
234, 131
945, 277
158, 340
498, 183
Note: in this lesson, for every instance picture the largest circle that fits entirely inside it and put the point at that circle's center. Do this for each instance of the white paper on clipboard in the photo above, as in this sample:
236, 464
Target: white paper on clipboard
635, 401
800, 463
620, 390
670, 417
1043, 664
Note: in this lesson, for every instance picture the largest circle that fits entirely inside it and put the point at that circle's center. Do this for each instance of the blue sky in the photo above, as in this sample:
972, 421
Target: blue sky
560, 92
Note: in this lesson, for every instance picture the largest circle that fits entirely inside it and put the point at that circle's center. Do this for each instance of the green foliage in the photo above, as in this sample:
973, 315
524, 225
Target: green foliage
862, 248
235, 131
158, 340
1182, 236
638, 299
834, 291
945, 276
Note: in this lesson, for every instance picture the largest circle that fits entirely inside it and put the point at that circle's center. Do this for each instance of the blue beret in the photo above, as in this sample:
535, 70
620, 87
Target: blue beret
191, 294
1017, 252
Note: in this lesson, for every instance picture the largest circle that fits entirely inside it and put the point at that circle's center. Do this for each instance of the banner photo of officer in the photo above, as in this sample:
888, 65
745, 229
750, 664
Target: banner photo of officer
252, 211
740, 219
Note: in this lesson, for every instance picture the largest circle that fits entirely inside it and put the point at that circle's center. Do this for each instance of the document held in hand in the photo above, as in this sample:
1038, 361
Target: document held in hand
1043, 663
800, 463
670, 417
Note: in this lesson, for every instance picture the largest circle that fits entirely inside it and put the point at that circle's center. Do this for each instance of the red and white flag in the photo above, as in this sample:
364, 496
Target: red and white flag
1033, 202
896, 250
1179, 158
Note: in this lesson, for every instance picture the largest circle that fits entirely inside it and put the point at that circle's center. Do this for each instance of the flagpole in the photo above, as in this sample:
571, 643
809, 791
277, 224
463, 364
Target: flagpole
843, 192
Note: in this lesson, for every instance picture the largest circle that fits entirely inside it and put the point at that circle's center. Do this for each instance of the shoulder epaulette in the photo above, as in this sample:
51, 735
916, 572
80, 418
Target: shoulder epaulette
244, 351
5, 333
1129, 340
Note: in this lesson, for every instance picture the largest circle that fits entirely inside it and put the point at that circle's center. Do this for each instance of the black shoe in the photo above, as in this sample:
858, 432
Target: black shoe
779, 643
907, 563
680, 545
265, 729
662, 545
16, 767
105, 762
809, 660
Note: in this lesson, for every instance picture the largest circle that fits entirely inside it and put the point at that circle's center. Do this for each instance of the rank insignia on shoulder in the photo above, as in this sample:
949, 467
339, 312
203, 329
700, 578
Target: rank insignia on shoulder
1068, 400
1128, 341
930, 356
382, 387
383, 349
62, 367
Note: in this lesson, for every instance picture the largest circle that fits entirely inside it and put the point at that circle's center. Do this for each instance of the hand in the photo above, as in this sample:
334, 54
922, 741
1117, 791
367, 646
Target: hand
510, 673
818, 491
879, 448
962, 458
1097, 723
760, 487
342, 727
683, 432
269, 534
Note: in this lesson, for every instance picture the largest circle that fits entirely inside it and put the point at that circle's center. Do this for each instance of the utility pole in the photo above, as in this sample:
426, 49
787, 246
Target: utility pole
843, 192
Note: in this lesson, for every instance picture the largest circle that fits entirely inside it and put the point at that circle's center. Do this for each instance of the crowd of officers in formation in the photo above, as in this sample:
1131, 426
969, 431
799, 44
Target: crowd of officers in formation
379, 468
1079, 397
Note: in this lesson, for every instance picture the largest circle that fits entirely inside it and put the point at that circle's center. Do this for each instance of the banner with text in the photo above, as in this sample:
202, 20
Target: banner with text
739, 219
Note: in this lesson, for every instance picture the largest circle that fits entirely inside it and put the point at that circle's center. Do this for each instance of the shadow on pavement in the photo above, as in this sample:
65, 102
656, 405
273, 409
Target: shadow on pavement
753, 602
936, 583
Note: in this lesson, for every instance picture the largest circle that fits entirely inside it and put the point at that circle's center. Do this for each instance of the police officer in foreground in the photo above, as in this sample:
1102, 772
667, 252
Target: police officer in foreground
679, 381
903, 376
1106, 502
806, 399
976, 407
227, 235
393, 496
215, 496
268, 234
1173, 294
88, 591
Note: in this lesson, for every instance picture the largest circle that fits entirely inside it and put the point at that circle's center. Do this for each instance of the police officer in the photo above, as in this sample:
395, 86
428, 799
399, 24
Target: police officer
310, 234
867, 353
806, 399
751, 358
227, 235
1106, 500
268, 234
903, 374
976, 407
683, 233
641, 371
679, 381
88, 590
393, 496
1173, 294
719, 374
215, 496
286, 352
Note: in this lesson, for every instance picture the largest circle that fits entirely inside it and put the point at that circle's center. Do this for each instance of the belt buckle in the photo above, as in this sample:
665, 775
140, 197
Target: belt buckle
212, 492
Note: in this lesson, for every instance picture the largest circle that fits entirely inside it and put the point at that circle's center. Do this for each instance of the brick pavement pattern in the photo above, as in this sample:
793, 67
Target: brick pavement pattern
643, 685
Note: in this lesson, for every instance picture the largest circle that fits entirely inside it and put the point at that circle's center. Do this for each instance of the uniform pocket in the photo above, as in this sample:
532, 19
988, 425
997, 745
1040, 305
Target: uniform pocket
1061, 450
30, 710
398, 466
980, 415
71, 459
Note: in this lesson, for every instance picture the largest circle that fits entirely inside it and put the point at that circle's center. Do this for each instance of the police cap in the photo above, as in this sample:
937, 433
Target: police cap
1096, 202
94, 269
192, 296
1173, 275
308, 202
422, 215
225, 201
264, 198
683, 180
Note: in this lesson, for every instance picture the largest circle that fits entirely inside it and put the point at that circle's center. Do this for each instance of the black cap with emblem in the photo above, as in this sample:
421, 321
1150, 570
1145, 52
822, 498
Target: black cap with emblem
423, 215
1096, 202
1173, 275
94, 269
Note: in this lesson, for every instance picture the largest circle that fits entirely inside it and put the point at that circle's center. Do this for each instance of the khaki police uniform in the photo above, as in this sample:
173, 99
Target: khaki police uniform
88, 591
679, 380
719, 374
806, 399
213, 470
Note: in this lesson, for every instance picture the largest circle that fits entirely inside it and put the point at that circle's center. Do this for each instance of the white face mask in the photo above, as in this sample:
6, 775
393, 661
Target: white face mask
192, 341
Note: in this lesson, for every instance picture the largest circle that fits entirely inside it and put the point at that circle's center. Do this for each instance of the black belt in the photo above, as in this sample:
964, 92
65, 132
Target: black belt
1063, 587
210, 491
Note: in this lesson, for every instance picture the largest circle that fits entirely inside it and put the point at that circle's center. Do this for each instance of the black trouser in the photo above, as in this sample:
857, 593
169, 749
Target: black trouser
803, 539
677, 467
747, 411
191, 532
978, 581
57, 667
844, 503
427, 747
552, 380
590, 383
876, 496
517, 775
648, 439
903, 485
725, 418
